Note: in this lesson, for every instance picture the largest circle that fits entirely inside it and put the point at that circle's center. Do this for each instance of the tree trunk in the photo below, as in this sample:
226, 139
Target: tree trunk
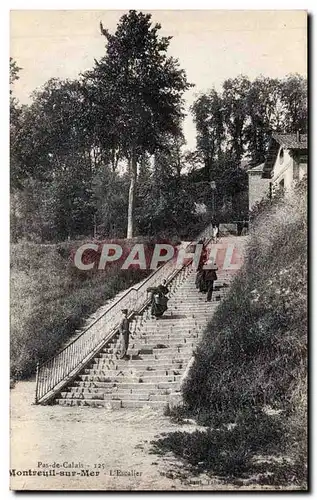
133, 178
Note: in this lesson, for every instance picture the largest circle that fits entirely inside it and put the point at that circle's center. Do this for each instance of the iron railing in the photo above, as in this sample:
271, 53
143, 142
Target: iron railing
53, 374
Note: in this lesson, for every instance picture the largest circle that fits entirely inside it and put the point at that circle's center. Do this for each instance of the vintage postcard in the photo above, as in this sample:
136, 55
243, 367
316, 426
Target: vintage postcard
158, 164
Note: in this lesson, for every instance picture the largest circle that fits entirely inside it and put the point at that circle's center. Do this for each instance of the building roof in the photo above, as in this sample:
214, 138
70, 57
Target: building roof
288, 141
291, 141
257, 168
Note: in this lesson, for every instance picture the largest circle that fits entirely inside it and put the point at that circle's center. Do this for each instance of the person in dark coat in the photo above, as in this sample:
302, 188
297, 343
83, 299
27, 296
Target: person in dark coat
158, 300
210, 276
163, 288
199, 282
124, 330
199, 278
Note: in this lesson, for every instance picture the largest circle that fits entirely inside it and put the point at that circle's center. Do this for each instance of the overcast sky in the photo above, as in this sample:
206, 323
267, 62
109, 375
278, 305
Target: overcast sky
210, 45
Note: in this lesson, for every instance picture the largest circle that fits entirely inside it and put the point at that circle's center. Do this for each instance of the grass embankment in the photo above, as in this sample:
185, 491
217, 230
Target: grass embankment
50, 298
250, 368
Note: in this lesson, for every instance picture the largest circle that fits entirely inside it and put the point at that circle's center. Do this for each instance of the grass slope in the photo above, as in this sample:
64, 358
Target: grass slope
50, 298
248, 381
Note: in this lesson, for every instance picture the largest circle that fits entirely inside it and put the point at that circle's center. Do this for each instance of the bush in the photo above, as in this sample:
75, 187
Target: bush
239, 453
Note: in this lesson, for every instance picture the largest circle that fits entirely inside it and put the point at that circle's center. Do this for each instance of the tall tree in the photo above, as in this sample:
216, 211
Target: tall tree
52, 128
294, 101
265, 114
16, 112
209, 119
241, 118
234, 97
52, 144
143, 88
165, 203
14, 72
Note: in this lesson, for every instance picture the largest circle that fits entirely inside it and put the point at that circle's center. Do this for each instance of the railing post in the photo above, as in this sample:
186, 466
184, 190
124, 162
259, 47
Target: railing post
36, 382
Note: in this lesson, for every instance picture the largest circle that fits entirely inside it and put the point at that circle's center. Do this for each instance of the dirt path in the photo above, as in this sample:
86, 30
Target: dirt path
118, 440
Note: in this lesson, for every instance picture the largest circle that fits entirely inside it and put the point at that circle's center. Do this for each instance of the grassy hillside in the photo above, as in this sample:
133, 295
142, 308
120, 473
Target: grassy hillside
250, 368
50, 298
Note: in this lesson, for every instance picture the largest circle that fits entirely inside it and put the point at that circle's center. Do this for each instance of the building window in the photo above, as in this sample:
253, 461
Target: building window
281, 156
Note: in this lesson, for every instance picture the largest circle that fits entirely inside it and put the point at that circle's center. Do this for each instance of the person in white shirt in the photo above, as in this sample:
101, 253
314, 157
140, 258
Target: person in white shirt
215, 231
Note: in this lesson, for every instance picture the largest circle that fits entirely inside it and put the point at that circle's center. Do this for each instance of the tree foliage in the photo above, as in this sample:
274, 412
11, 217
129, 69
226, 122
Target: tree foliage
86, 152
141, 87
242, 116
235, 124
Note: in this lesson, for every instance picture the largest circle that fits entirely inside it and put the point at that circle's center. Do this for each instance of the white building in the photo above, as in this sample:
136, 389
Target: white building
286, 161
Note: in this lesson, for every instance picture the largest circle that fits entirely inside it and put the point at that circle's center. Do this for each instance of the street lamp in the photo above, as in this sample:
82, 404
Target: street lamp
213, 188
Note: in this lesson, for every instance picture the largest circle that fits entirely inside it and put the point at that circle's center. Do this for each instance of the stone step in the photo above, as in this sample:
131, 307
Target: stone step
176, 357
156, 338
191, 288
172, 350
165, 357
114, 396
165, 335
170, 332
194, 300
201, 307
146, 358
138, 365
137, 390
165, 340
167, 360
140, 404
145, 378
173, 314
148, 349
177, 325
127, 372
193, 296
193, 293
174, 317
188, 334
175, 333
164, 344
166, 328
116, 405
82, 402
144, 345
140, 397
134, 385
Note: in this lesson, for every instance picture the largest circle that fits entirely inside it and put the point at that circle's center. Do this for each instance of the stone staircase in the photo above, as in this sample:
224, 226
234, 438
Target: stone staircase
159, 352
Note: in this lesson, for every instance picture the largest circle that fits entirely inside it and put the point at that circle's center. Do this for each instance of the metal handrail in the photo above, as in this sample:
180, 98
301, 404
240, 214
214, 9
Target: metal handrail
134, 288
55, 372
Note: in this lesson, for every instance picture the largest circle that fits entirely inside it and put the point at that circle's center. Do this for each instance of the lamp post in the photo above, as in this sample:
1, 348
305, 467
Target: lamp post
213, 188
